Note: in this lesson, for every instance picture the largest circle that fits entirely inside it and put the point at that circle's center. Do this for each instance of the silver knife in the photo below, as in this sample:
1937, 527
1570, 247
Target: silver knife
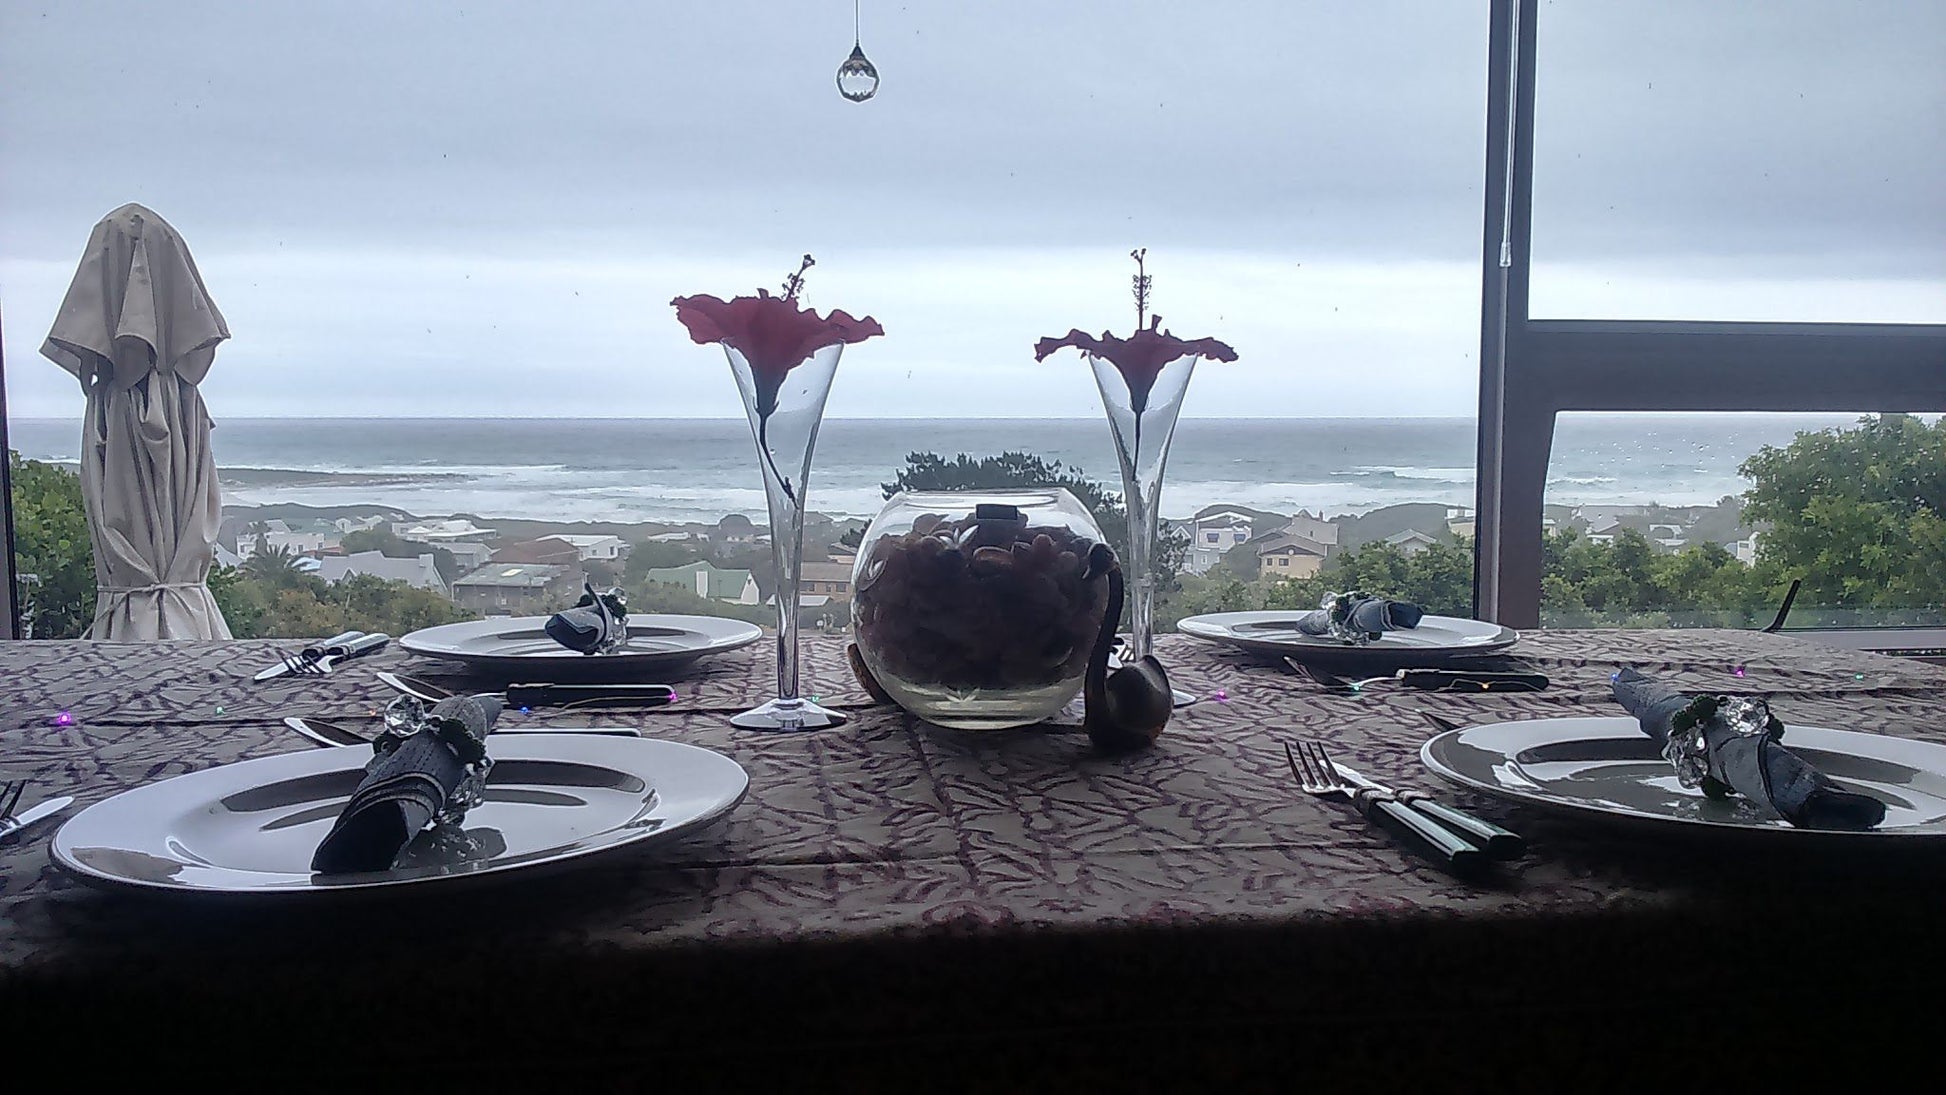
1496, 842
326, 732
35, 813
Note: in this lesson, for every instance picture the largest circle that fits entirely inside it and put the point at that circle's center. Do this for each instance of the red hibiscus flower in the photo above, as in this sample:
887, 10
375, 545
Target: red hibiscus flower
1139, 358
774, 334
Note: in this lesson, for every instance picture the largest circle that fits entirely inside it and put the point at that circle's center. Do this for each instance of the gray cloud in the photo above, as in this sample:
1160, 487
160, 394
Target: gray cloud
351, 175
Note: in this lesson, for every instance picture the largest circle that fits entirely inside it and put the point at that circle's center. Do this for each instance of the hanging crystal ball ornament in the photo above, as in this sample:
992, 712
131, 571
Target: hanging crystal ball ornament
857, 79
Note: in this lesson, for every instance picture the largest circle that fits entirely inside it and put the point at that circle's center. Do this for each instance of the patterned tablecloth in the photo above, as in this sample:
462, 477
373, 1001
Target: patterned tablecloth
892, 881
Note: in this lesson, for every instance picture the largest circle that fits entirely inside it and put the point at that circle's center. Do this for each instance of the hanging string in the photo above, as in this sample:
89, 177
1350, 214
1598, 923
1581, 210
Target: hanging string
855, 39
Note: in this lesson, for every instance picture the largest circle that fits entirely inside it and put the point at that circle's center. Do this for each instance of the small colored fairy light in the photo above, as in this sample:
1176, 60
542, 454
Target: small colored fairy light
526, 710
65, 718
1858, 676
1615, 676
674, 695
1738, 671
1220, 696
219, 709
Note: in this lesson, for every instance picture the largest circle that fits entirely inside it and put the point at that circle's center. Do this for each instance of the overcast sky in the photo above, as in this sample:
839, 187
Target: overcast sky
484, 208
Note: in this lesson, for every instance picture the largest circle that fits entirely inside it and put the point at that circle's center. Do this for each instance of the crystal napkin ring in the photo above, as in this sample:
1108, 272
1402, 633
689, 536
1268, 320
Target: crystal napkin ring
613, 605
1337, 609
406, 717
1688, 745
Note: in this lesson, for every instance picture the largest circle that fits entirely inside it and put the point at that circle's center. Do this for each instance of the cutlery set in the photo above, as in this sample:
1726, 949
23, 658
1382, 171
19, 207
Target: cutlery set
318, 659
1465, 845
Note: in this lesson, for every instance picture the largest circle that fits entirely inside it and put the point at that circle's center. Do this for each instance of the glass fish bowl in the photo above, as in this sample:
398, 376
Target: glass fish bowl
978, 610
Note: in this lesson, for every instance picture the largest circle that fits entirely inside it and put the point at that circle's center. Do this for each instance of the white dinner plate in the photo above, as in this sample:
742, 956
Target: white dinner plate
1435, 641
1606, 769
518, 647
251, 827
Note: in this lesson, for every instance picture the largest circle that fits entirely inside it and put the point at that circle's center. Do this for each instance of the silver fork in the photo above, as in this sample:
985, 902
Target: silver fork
299, 666
10, 793
1313, 771
13, 819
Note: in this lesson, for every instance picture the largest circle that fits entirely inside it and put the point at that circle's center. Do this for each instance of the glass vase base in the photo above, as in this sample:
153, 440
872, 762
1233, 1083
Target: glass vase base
788, 716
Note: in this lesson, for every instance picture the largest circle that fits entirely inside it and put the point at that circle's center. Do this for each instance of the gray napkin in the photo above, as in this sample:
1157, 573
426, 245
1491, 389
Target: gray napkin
401, 794
1371, 615
1755, 766
588, 626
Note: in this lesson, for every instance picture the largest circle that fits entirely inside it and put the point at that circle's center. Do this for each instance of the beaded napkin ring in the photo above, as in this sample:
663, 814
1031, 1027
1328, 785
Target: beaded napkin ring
1688, 746
406, 717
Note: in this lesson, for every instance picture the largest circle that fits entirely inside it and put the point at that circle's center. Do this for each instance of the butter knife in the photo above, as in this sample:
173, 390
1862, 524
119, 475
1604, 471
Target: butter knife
35, 813
544, 695
326, 732
1496, 842
362, 645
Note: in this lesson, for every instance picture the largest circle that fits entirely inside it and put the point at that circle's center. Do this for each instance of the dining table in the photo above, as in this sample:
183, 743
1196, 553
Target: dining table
898, 906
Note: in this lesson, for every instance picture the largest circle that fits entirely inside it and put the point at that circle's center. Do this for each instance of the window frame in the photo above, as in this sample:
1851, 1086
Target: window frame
1532, 370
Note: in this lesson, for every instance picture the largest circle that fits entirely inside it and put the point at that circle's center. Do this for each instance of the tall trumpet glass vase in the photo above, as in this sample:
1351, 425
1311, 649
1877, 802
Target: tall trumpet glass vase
786, 433
1142, 427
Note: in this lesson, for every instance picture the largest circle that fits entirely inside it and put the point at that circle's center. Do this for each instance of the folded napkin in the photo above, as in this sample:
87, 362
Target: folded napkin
1724, 744
596, 623
403, 791
1359, 614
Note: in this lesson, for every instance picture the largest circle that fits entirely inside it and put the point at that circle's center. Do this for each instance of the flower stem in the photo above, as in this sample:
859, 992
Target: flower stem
763, 447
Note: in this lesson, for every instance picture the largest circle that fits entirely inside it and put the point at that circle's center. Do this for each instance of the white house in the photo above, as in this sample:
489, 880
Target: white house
442, 532
297, 543
1313, 527
470, 556
594, 547
1411, 541
420, 571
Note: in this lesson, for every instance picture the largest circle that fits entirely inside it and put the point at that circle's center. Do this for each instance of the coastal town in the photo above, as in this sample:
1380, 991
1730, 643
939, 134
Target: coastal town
491, 567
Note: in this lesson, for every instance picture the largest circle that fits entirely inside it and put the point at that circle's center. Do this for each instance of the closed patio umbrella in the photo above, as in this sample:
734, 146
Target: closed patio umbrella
139, 331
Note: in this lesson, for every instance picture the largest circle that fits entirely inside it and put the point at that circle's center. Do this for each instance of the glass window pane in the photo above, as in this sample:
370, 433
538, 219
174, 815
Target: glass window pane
483, 215
1777, 161
1704, 520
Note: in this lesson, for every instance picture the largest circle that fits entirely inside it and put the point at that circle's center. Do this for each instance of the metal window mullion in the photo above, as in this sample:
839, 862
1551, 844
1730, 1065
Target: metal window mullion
1505, 565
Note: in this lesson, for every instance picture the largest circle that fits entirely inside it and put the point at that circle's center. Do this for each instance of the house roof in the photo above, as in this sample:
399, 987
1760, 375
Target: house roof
1287, 543
1410, 535
513, 576
583, 541
539, 551
419, 571
724, 583
1253, 515
827, 572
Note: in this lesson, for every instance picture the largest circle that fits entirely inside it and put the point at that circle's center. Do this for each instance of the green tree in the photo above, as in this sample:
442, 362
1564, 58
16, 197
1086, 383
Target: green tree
656, 555
930, 471
1859, 515
51, 543
274, 566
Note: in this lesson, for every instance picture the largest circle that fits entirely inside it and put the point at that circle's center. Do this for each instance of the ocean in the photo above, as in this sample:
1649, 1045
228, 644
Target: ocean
677, 470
